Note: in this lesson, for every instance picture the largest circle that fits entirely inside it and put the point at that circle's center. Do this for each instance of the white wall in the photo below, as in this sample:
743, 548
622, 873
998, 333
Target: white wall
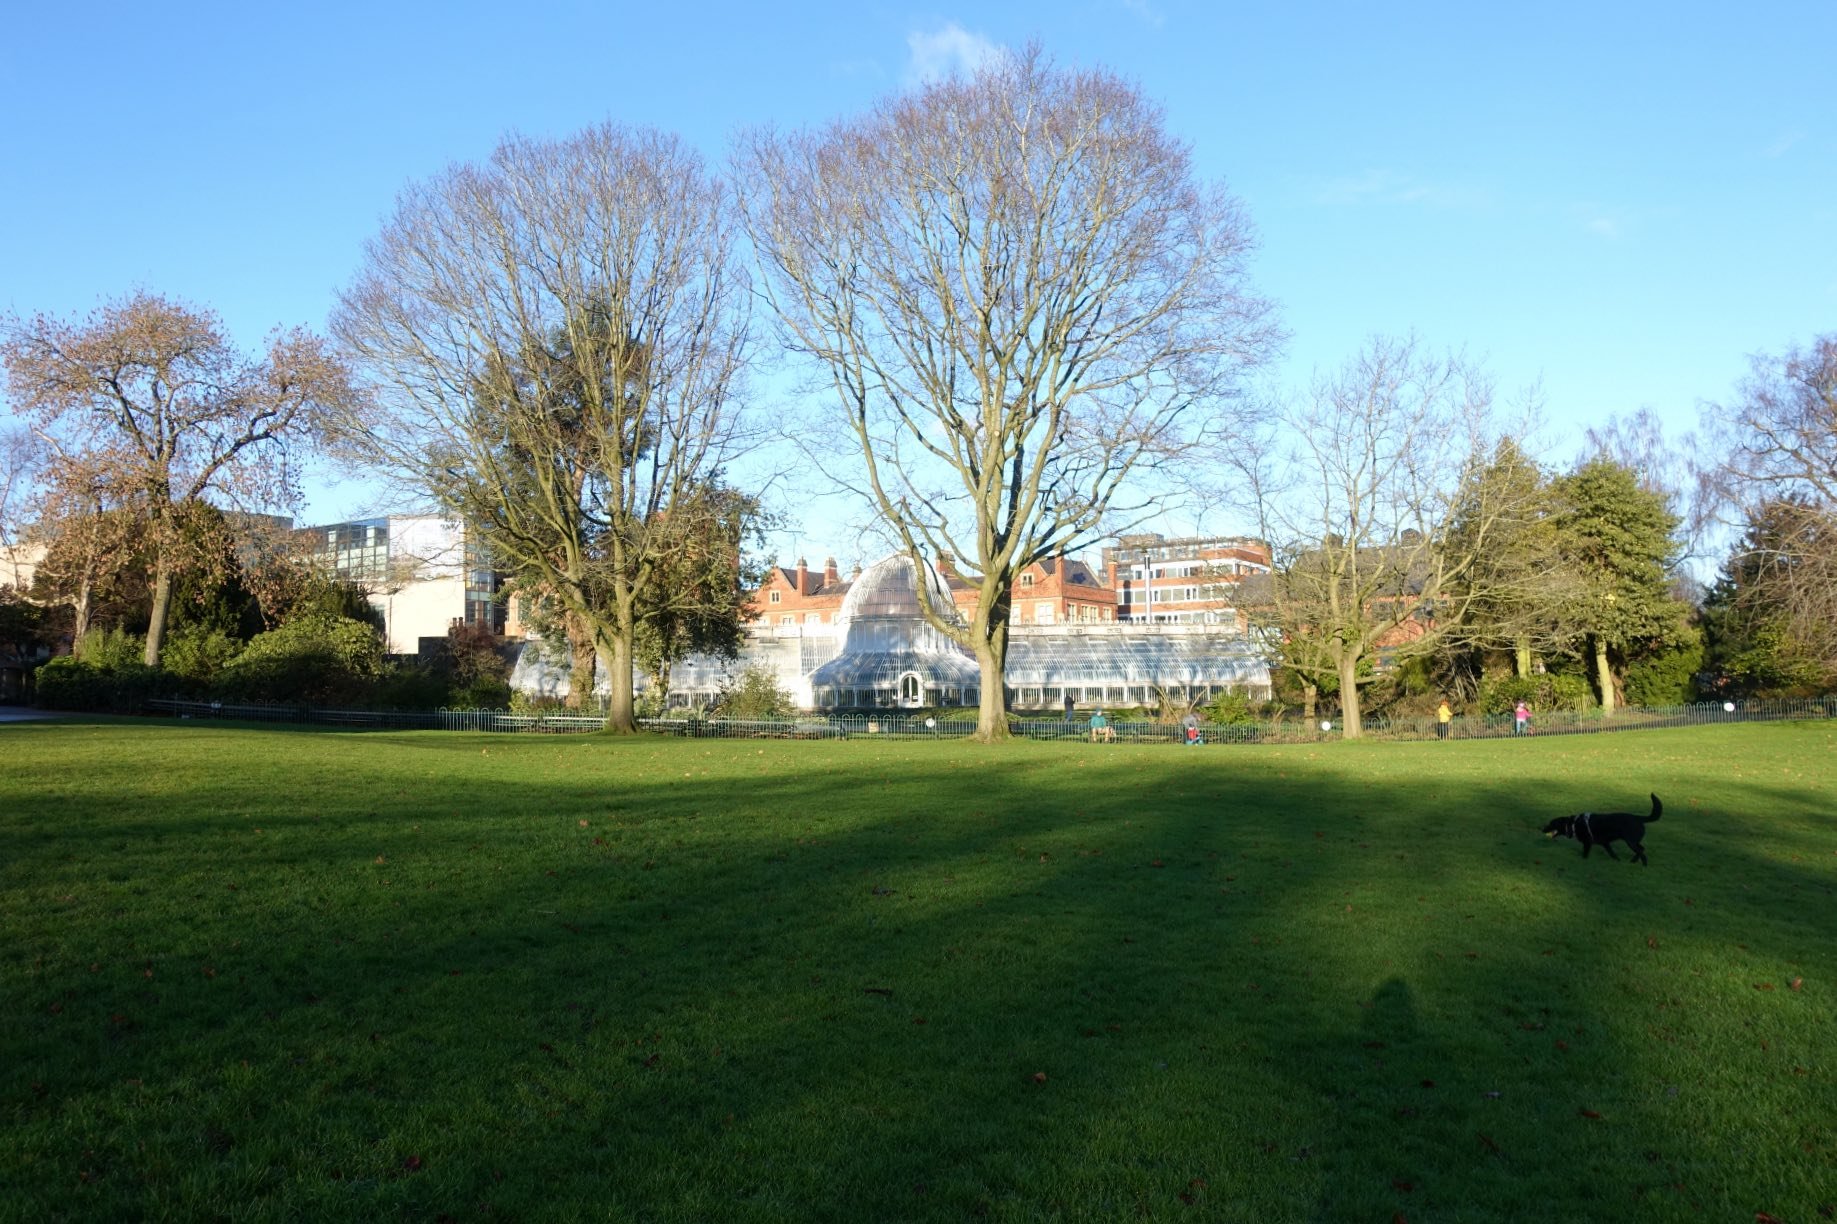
420, 609
435, 546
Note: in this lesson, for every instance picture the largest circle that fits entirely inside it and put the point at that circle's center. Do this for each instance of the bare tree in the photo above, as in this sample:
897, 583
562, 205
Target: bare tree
149, 397
558, 339
93, 541
1356, 486
1022, 301
1772, 469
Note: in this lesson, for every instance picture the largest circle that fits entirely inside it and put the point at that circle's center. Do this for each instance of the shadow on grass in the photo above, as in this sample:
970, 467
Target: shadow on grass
1045, 984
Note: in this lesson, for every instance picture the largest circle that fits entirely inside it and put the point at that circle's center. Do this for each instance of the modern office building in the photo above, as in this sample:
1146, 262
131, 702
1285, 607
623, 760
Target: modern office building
1192, 580
423, 572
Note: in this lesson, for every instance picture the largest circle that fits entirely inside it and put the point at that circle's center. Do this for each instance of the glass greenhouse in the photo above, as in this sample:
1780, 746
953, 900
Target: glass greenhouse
881, 654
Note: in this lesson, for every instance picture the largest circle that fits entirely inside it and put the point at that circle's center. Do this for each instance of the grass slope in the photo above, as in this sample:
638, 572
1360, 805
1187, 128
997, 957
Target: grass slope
292, 974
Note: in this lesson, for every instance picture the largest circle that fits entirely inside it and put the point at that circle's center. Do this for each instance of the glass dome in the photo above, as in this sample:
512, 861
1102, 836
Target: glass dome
891, 655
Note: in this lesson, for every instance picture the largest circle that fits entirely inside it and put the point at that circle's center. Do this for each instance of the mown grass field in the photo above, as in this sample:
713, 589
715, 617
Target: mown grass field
257, 973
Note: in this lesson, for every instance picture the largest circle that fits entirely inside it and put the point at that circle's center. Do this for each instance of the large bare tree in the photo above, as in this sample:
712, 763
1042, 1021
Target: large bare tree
557, 339
149, 399
1022, 299
1371, 489
1771, 468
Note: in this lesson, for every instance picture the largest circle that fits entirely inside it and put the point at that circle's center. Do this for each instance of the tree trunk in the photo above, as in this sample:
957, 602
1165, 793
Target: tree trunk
79, 616
992, 662
162, 605
620, 718
1349, 696
582, 655
1521, 654
1310, 701
1604, 677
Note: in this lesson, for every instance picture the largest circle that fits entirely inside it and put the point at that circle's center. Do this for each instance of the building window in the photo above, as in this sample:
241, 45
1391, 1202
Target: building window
813, 618
1026, 580
774, 597
909, 690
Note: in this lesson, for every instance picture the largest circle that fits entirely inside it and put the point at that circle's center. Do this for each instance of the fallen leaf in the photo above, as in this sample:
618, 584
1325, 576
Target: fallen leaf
1651, 942
1487, 1141
1039, 1077
1761, 1217
1561, 1044
1590, 1114
412, 1164
1757, 985
1402, 1187
1796, 983
1428, 1083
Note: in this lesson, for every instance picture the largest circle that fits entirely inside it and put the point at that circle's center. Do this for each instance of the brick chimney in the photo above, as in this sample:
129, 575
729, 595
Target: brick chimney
830, 575
803, 577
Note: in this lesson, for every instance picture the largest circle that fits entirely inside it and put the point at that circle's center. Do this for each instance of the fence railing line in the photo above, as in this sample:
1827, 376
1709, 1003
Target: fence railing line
901, 726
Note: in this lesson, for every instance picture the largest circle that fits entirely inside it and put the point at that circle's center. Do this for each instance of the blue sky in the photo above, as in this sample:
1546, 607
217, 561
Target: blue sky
1622, 200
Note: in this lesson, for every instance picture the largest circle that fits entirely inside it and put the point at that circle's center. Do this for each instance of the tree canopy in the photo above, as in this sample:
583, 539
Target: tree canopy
1020, 298
557, 340
147, 406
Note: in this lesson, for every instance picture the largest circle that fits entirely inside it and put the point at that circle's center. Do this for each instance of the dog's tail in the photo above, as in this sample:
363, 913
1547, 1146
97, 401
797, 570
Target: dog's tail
1657, 808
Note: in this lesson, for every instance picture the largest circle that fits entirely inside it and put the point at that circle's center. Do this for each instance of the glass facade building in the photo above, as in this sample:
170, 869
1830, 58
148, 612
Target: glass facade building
880, 653
891, 656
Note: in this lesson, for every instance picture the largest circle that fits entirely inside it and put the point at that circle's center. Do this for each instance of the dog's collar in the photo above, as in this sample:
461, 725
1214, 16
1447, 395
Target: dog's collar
1583, 819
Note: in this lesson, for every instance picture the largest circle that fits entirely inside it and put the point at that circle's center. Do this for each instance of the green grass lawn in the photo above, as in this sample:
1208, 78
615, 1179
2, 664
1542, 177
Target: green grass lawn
261, 973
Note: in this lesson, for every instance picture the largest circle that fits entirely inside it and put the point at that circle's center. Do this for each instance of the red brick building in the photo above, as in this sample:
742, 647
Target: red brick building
1188, 581
800, 596
1056, 591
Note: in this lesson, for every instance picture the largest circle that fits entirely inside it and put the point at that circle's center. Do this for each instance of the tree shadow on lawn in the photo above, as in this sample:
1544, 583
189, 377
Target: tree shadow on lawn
773, 1010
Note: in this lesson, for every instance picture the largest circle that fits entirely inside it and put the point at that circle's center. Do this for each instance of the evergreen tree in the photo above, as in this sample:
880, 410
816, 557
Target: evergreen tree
1618, 539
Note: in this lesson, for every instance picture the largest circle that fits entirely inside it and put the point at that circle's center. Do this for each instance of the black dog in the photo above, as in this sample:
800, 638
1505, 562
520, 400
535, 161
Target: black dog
1599, 828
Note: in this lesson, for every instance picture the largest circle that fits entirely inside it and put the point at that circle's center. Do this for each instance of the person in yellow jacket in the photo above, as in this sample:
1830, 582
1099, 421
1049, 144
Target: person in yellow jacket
1443, 716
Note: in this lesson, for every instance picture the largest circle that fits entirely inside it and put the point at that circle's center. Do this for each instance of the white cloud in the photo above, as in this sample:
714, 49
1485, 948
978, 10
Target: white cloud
1146, 11
945, 52
1781, 144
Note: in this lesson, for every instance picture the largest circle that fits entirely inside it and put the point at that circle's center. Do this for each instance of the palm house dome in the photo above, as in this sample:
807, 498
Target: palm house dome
891, 655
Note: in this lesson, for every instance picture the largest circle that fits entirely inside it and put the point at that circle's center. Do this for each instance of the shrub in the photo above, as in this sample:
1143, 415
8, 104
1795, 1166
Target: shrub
532, 703
198, 653
1500, 696
108, 649
1571, 693
409, 686
483, 693
70, 683
313, 658
755, 695
1541, 693
1231, 709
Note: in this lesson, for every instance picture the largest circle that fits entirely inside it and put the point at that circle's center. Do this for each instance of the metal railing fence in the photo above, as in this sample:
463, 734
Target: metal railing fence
921, 726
